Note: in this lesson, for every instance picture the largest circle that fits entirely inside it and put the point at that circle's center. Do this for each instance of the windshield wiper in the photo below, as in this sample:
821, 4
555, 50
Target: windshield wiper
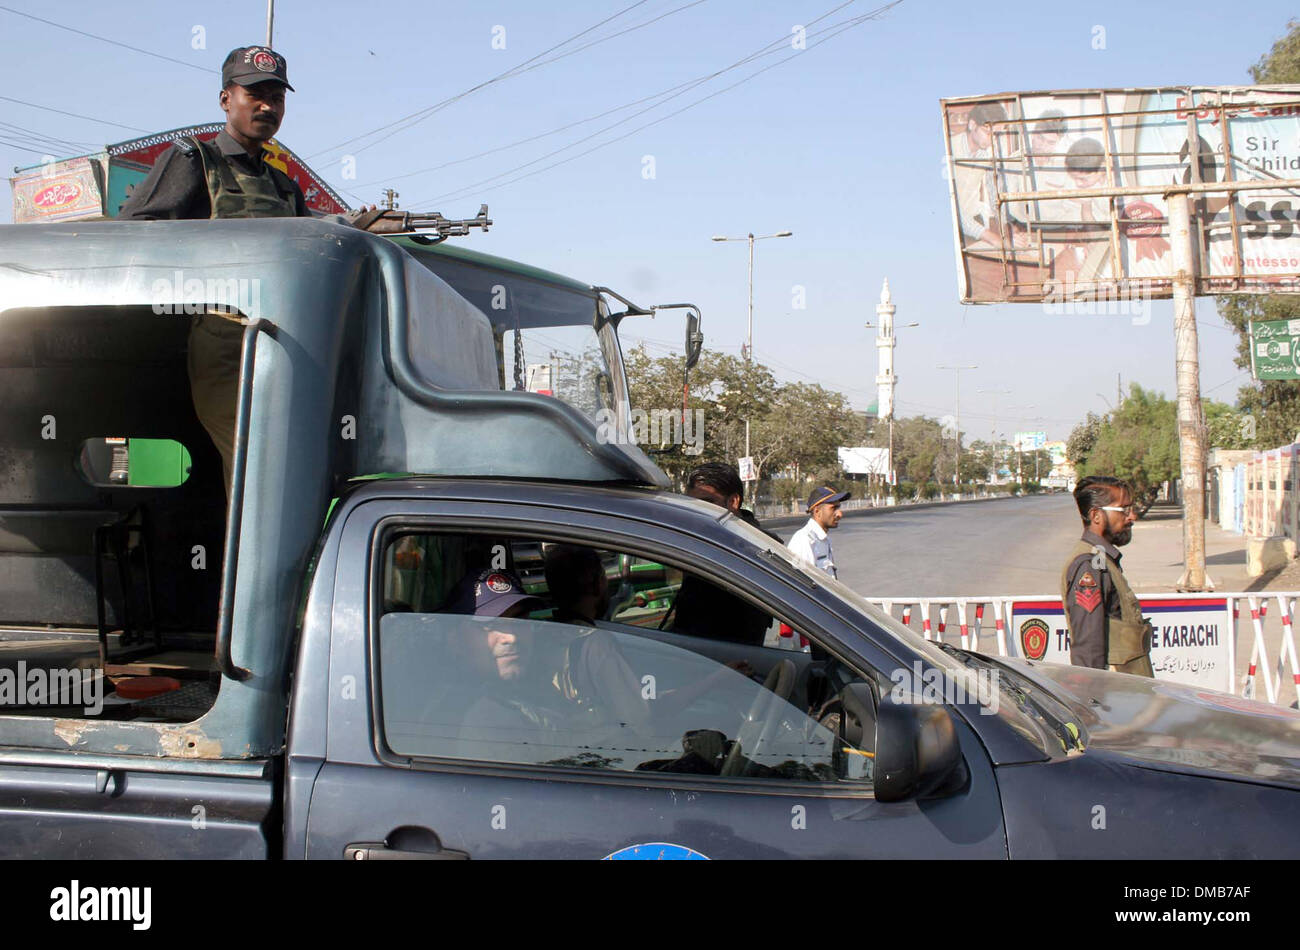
1034, 700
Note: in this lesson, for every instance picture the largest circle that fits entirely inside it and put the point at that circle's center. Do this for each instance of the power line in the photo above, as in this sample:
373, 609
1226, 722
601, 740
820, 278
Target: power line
833, 30
532, 138
130, 128
670, 93
40, 137
105, 39
603, 39
24, 148
684, 88
524, 68
1226, 382
424, 113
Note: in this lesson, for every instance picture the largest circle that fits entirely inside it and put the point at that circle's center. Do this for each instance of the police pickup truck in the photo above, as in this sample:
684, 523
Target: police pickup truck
417, 623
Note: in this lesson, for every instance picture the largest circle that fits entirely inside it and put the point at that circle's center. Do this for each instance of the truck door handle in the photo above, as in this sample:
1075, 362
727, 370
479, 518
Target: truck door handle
407, 843
378, 851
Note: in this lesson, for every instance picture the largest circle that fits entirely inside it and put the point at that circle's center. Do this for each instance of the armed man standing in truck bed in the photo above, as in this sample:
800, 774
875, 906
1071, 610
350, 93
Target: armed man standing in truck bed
228, 177
1107, 629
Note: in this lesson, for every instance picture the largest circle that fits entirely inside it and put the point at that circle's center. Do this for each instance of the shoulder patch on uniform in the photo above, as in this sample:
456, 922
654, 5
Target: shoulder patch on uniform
1087, 580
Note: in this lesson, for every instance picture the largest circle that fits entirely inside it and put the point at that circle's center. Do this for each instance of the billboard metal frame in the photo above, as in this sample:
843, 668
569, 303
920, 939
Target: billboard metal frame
1221, 112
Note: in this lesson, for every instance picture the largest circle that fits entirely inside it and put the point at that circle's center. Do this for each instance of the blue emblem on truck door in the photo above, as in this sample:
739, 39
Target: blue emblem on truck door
655, 851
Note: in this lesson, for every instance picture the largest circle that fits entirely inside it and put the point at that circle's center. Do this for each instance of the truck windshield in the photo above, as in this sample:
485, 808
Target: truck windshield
777, 551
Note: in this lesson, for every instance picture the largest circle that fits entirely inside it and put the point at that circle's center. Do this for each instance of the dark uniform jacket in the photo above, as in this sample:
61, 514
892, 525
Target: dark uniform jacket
177, 186
1107, 630
216, 179
703, 609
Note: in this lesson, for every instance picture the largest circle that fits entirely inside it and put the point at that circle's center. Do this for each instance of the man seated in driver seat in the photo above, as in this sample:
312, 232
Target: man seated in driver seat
595, 676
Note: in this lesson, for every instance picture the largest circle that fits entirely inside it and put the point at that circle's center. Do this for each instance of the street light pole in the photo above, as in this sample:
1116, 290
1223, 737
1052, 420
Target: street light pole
956, 474
1019, 477
749, 325
993, 444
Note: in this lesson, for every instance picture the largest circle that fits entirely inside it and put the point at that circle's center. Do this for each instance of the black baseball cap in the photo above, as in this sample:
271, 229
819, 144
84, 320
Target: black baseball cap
490, 593
250, 65
824, 496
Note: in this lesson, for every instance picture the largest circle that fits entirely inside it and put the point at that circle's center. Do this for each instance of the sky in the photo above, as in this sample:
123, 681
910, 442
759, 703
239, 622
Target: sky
840, 143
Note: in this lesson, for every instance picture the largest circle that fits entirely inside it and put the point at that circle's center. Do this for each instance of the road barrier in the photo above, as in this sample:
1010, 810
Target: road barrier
1195, 636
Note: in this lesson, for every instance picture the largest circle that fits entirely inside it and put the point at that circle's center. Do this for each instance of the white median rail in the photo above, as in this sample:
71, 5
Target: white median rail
1195, 636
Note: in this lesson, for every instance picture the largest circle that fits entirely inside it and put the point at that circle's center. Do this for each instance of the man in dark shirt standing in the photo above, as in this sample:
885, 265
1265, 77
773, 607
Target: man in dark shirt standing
1107, 629
702, 608
228, 177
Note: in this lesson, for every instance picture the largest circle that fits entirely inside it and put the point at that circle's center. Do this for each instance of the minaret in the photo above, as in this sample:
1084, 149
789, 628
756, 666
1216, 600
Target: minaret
885, 342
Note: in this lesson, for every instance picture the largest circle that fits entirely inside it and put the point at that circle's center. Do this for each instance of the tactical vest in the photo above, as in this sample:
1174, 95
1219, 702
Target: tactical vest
234, 193
1128, 638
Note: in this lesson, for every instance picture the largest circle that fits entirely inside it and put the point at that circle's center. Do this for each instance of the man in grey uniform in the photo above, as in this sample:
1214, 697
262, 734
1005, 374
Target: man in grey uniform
1107, 629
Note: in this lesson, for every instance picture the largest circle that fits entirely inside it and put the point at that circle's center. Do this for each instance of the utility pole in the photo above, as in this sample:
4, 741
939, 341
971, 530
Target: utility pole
749, 326
390, 199
956, 474
270, 22
1191, 429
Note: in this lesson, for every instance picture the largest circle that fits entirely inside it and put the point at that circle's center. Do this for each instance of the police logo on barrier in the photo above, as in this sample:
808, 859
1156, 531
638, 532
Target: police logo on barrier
1033, 638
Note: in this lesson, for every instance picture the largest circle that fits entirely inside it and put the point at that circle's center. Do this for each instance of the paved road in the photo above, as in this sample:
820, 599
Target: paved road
1012, 546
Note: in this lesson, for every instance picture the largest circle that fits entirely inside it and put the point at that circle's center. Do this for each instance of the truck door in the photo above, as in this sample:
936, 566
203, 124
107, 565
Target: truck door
505, 704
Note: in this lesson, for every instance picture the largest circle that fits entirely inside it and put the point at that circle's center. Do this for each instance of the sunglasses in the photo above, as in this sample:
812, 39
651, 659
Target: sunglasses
1126, 510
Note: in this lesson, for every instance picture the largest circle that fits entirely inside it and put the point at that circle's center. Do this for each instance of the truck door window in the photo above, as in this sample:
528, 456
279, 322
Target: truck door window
502, 650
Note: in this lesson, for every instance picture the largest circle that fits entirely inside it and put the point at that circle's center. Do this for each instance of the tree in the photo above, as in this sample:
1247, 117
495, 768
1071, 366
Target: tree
1083, 439
1282, 63
797, 426
1275, 404
923, 453
1138, 442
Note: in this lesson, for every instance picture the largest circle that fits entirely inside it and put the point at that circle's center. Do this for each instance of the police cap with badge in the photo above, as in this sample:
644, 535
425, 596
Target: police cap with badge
250, 65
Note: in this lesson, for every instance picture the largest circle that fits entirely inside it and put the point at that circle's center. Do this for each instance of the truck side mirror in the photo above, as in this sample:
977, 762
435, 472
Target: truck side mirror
917, 752
694, 339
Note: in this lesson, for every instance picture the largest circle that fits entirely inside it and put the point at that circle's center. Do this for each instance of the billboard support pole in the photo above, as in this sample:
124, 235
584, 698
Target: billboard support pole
1191, 432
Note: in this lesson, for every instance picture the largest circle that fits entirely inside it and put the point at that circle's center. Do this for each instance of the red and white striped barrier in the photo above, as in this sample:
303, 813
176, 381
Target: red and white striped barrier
1195, 635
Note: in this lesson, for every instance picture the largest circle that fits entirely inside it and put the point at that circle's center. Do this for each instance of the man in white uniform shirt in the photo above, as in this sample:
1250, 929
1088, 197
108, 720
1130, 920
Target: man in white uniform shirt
811, 542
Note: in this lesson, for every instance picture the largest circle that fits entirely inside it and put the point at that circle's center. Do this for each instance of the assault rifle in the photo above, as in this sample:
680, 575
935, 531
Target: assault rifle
392, 221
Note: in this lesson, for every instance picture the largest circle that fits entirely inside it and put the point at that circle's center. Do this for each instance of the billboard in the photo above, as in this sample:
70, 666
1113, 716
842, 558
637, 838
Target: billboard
864, 460
1062, 246
59, 191
1275, 349
96, 186
1030, 441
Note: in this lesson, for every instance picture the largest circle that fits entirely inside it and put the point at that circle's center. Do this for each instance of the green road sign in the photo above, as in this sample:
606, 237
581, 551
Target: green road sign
1275, 349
